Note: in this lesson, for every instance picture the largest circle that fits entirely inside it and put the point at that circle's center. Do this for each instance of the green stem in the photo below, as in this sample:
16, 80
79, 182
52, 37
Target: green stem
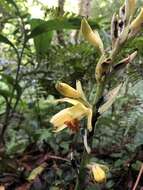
19, 61
99, 93
80, 184
81, 177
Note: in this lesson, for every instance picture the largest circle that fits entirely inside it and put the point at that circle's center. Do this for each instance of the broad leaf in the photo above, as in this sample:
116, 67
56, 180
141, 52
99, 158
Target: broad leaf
5, 93
42, 41
58, 24
5, 40
11, 82
12, 2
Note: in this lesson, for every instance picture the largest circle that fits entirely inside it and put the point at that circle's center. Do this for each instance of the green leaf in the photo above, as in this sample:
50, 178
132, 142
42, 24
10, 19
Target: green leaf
37, 171
41, 42
59, 24
11, 82
5, 93
137, 165
42, 134
4, 5
17, 140
5, 40
14, 5
138, 139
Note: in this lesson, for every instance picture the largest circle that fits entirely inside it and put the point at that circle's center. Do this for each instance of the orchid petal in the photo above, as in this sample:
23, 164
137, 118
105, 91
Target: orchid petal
69, 100
67, 90
80, 90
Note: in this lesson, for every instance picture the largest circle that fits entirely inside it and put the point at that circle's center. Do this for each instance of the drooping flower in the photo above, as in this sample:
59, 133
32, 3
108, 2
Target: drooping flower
80, 108
98, 172
90, 36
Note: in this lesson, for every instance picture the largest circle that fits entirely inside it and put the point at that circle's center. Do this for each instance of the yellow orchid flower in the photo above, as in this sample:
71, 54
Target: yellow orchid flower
130, 6
98, 172
69, 117
67, 90
137, 23
80, 90
90, 36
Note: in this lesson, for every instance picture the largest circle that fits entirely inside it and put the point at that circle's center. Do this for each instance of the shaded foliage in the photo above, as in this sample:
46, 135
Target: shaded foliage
28, 74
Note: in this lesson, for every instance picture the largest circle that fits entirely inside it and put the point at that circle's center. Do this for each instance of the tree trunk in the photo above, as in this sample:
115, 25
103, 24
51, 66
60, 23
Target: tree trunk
85, 8
60, 35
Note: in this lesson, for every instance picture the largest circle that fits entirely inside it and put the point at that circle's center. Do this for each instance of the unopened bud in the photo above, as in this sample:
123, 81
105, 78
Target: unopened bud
98, 173
114, 29
124, 35
137, 23
90, 36
67, 90
130, 6
122, 13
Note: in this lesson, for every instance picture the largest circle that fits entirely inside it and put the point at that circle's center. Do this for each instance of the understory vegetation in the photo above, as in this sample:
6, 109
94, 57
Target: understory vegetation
71, 96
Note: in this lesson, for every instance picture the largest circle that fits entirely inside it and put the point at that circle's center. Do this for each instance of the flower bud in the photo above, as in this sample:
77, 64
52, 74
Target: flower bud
124, 35
90, 36
67, 90
137, 23
122, 13
98, 173
114, 29
130, 6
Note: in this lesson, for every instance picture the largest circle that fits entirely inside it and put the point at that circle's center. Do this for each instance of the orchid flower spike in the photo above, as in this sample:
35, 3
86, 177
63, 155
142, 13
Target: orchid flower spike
70, 117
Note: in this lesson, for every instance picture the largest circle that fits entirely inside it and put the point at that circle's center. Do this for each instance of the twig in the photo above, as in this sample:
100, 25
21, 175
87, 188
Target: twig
138, 178
19, 59
58, 158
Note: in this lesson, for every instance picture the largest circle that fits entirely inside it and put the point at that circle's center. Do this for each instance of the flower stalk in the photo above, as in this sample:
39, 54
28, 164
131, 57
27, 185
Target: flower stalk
103, 72
122, 28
